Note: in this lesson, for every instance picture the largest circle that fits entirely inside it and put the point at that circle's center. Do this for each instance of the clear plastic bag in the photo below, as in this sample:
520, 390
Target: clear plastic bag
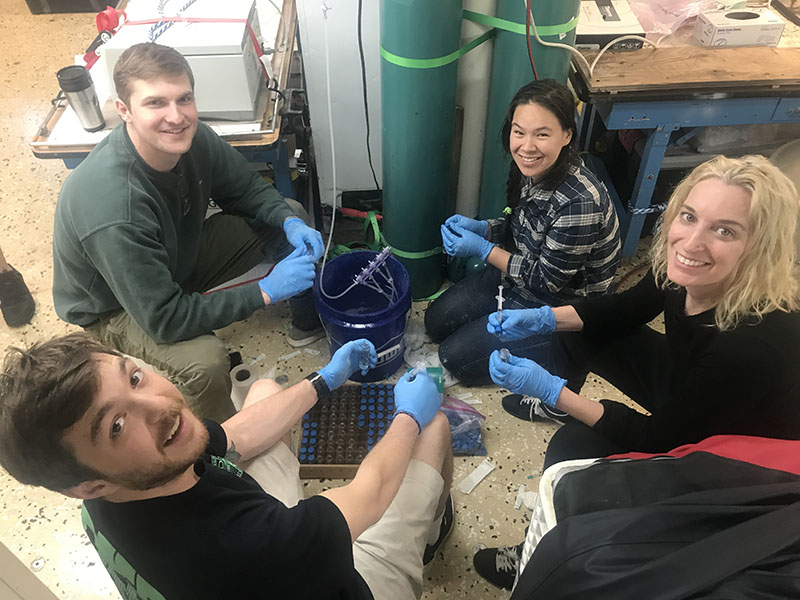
719, 139
666, 16
466, 426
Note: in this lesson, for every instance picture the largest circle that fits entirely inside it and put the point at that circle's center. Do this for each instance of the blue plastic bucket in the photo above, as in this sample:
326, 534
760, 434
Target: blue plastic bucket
363, 312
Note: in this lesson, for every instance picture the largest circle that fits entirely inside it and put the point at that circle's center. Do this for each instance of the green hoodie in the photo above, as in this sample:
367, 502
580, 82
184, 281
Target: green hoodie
126, 237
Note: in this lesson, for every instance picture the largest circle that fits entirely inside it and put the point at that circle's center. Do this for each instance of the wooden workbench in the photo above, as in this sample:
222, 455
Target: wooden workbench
681, 86
691, 69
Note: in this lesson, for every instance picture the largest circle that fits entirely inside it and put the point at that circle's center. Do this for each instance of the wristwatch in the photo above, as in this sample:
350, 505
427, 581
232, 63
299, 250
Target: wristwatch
322, 389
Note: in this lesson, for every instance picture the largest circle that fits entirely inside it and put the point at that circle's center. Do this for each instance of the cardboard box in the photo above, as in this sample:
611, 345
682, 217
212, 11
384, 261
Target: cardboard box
227, 71
742, 27
601, 21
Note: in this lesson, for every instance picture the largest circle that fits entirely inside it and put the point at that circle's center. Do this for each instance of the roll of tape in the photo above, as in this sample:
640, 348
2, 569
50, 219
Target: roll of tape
242, 377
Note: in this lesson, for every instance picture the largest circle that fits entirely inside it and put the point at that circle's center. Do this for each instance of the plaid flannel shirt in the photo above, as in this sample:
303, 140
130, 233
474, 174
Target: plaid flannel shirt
567, 240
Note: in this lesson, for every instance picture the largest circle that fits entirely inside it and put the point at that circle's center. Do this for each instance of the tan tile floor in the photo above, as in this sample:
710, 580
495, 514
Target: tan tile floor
37, 524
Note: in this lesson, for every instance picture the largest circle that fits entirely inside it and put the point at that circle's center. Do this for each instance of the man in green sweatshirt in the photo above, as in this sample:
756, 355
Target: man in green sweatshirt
133, 251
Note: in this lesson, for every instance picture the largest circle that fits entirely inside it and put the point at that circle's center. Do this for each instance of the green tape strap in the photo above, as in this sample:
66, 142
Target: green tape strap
543, 30
338, 249
481, 19
432, 296
412, 255
372, 220
433, 63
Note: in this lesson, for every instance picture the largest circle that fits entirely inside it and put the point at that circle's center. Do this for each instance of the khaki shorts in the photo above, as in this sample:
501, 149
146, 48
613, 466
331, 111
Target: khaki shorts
388, 555
277, 471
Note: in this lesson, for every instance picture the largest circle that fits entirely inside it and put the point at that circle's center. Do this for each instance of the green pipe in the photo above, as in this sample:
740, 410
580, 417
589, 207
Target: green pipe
418, 99
511, 69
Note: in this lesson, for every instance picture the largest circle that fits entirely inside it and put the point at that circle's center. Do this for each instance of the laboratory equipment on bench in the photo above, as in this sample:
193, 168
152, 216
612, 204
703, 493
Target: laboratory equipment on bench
220, 41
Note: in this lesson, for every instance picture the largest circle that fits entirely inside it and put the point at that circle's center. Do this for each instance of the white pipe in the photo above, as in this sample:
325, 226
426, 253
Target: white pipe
474, 69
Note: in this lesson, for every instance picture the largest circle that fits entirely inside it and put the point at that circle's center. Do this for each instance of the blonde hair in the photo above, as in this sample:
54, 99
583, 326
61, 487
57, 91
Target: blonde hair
765, 279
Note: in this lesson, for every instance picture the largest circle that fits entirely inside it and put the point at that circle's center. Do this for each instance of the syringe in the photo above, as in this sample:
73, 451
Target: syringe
412, 375
499, 303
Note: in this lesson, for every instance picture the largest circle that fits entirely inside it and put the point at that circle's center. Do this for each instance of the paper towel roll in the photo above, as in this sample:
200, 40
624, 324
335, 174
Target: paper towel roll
242, 377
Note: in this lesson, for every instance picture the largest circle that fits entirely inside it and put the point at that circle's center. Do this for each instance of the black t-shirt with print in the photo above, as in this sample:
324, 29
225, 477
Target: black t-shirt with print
225, 538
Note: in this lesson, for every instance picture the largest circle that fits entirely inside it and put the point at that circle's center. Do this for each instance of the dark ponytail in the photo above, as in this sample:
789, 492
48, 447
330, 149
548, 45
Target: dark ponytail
557, 99
513, 191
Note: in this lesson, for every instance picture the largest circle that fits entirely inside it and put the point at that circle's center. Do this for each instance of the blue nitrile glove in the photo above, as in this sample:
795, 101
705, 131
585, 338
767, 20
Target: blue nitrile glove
289, 277
462, 222
458, 241
523, 376
419, 398
518, 324
299, 234
344, 362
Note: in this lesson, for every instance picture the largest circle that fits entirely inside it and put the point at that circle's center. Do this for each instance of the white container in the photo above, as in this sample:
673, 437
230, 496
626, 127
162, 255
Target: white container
599, 24
227, 71
741, 27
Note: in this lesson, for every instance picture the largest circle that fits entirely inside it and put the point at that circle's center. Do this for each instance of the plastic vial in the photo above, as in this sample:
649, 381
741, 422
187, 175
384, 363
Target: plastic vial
363, 359
504, 354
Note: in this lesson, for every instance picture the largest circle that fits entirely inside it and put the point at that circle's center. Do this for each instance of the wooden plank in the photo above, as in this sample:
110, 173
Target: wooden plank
332, 471
693, 67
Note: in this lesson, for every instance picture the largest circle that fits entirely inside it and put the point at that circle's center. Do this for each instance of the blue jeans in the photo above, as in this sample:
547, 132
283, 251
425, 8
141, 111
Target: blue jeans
457, 321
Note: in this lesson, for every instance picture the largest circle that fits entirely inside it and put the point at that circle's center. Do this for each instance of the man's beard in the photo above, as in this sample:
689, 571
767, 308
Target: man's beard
146, 479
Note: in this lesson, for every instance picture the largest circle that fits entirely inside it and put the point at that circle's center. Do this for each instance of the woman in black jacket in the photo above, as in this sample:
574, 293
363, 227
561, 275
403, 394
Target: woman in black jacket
724, 275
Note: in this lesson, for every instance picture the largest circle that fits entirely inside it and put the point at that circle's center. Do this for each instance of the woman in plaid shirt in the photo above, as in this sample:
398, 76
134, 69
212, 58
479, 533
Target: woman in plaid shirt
559, 239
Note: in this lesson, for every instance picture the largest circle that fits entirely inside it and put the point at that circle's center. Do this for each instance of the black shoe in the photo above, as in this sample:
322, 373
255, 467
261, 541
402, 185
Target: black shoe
16, 301
529, 408
445, 529
303, 337
498, 566
235, 359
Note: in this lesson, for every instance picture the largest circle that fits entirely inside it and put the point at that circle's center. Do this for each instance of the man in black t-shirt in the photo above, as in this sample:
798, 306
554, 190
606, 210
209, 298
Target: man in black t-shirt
170, 505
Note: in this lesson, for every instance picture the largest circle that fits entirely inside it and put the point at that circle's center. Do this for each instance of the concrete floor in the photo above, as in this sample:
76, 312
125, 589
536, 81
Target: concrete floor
43, 528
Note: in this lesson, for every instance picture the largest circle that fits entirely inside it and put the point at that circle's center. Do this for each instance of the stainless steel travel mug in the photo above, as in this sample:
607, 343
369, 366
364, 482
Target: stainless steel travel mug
76, 83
